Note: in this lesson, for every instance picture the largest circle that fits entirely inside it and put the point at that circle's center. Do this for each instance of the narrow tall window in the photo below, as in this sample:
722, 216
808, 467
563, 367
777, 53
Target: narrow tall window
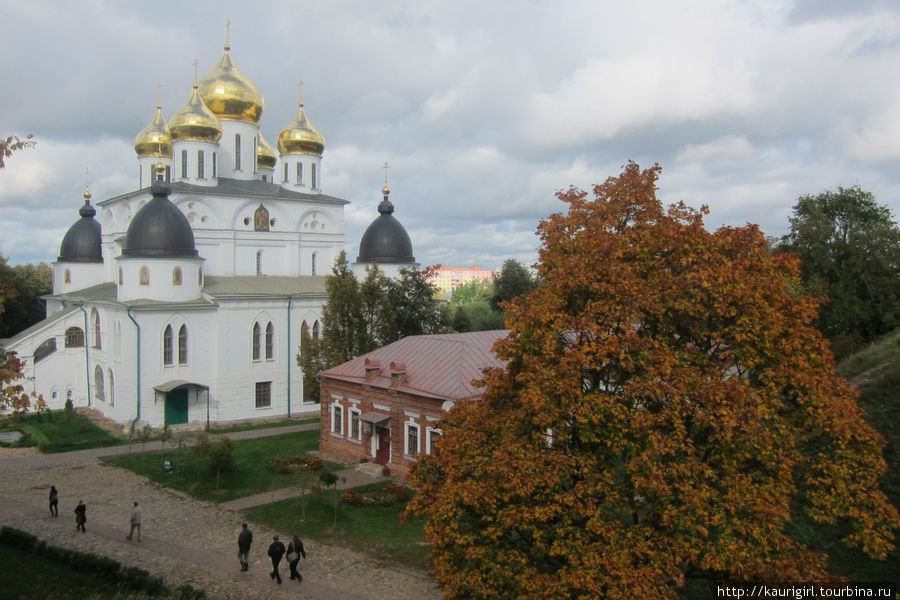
200, 165
167, 345
98, 383
412, 439
315, 330
314, 254
255, 341
237, 152
255, 155
312, 176
120, 276
299, 173
259, 262
214, 165
96, 318
112, 388
337, 419
184, 174
199, 276
182, 345
355, 432
67, 276
144, 275
176, 276
168, 174
285, 173
270, 341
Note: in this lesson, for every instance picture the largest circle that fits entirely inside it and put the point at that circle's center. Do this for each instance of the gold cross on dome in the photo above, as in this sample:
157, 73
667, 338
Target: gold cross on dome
301, 92
385, 167
195, 71
158, 94
227, 33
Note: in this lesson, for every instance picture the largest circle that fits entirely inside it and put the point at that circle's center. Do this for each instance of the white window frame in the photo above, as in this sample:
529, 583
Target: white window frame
337, 419
354, 419
429, 432
407, 426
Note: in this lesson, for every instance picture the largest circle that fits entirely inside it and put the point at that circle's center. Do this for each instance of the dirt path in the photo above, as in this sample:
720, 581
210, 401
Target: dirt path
185, 540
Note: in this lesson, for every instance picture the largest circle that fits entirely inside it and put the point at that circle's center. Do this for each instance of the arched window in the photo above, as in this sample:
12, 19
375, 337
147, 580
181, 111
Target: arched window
112, 389
299, 173
259, 262
182, 345
314, 256
270, 341
255, 341
98, 383
176, 276
95, 317
144, 275
316, 330
74, 337
200, 165
167, 345
121, 279
67, 276
46, 348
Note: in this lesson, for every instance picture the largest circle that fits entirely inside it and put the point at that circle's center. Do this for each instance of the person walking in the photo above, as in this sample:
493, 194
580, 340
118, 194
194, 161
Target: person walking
135, 521
294, 551
245, 538
80, 516
276, 551
54, 501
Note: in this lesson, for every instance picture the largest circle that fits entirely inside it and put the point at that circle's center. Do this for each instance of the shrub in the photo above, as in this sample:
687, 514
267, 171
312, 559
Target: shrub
293, 464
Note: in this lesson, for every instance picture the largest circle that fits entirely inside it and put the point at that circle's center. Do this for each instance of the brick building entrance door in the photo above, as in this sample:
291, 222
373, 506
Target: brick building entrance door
383, 445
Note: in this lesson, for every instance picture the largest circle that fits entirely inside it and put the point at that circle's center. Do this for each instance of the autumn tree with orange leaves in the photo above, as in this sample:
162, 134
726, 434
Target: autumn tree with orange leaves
666, 411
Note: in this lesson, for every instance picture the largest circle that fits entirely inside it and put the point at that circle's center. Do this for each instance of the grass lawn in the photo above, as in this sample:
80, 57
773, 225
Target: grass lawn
249, 475
27, 576
60, 432
374, 530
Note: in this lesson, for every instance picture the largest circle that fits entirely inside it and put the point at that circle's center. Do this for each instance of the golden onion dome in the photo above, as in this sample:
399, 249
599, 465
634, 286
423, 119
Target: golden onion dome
154, 139
265, 154
229, 94
300, 137
195, 122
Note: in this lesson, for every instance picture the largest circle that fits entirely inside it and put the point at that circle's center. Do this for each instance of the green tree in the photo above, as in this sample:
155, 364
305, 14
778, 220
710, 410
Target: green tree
849, 249
376, 310
24, 307
343, 329
414, 309
513, 281
666, 411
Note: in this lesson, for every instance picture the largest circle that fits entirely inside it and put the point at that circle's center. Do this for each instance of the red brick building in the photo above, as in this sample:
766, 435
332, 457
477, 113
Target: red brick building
385, 406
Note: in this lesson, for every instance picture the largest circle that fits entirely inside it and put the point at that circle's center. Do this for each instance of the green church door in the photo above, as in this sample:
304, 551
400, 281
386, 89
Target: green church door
177, 406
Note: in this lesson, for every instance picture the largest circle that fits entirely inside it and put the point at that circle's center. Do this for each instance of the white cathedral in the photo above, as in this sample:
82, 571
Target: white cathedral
185, 302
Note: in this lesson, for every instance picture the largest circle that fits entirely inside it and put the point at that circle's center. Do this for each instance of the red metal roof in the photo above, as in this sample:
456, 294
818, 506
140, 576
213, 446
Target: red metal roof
441, 365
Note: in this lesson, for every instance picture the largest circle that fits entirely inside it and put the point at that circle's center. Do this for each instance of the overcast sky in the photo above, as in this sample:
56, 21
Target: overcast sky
483, 109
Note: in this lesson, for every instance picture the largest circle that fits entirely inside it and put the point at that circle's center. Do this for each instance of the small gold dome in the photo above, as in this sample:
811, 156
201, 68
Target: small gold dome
300, 137
229, 94
265, 154
154, 139
195, 122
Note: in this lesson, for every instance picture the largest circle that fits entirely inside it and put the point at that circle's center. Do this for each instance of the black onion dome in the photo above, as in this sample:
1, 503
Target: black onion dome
385, 240
159, 229
81, 244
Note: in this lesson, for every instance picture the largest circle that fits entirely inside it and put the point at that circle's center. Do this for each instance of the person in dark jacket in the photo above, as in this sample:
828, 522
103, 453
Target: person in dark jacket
276, 551
245, 538
80, 516
294, 552
54, 501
